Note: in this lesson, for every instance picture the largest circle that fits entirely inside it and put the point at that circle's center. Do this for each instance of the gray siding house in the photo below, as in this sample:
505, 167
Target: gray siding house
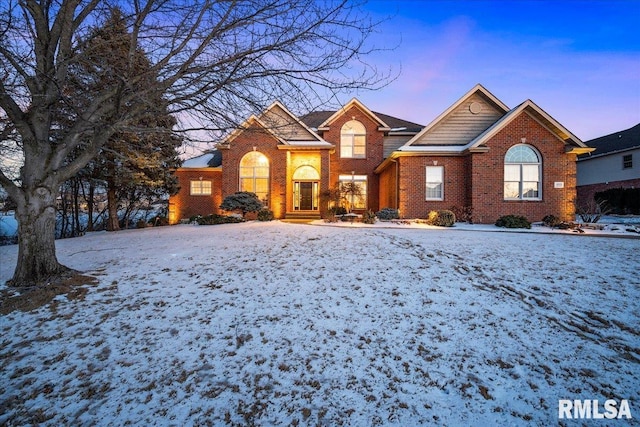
615, 163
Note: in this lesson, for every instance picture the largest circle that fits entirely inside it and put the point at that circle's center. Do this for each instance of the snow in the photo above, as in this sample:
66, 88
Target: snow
201, 161
294, 324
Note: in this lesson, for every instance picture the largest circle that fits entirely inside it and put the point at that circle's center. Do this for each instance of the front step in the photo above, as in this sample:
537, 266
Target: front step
302, 216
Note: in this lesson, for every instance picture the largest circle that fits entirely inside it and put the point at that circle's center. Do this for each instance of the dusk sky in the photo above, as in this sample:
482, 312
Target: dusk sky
577, 60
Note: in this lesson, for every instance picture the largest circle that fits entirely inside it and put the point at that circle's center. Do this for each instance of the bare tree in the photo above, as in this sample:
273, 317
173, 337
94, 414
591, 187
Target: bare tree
215, 60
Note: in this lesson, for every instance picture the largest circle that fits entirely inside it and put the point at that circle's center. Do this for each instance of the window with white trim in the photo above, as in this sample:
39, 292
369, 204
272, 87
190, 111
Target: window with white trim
200, 188
627, 161
522, 172
435, 182
254, 174
353, 140
354, 190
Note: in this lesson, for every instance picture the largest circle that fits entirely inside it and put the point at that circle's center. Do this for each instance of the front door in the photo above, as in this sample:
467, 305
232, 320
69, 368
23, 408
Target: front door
306, 196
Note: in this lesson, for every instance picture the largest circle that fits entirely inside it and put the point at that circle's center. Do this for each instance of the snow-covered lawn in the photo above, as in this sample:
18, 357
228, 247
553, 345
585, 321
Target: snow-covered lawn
286, 324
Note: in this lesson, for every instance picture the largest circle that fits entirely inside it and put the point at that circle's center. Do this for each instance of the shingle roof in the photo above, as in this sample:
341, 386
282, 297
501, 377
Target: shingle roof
617, 141
316, 118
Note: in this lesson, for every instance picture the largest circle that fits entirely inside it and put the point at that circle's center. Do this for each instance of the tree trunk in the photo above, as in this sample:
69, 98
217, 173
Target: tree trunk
37, 261
90, 205
113, 223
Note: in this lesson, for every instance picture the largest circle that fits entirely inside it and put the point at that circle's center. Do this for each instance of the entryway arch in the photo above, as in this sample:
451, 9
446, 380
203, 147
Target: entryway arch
306, 188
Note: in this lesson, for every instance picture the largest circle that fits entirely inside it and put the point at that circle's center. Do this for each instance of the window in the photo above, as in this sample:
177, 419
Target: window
200, 188
353, 140
627, 161
522, 173
354, 190
254, 174
435, 183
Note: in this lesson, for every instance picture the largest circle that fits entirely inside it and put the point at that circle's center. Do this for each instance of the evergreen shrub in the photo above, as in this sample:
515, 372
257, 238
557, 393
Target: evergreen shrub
513, 221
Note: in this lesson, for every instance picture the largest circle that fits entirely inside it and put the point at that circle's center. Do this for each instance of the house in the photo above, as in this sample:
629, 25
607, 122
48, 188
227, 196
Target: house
615, 163
478, 154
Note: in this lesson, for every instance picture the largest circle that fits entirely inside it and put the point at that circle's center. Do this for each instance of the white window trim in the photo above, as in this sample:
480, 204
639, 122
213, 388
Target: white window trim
426, 190
521, 181
200, 190
351, 137
357, 178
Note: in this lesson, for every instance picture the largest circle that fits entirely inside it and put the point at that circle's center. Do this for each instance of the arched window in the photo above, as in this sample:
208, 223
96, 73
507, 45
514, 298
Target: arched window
522, 171
254, 174
353, 140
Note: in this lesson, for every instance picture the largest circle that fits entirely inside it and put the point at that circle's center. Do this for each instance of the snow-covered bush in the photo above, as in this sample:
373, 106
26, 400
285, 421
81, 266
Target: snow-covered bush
388, 214
242, 201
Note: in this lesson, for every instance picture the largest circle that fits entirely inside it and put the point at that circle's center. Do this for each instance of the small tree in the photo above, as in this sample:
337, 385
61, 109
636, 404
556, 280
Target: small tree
243, 201
350, 191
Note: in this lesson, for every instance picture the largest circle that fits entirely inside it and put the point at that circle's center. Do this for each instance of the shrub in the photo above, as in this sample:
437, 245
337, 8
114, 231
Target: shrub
369, 217
621, 201
463, 214
141, 223
388, 213
243, 201
551, 221
265, 215
441, 218
330, 216
337, 210
215, 219
513, 221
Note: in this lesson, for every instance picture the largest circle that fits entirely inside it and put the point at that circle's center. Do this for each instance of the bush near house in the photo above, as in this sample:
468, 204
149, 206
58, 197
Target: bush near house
463, 213
441, 218
369, 217
513, 221
215, 219
265, 215
386, 214
242, 201
551, 221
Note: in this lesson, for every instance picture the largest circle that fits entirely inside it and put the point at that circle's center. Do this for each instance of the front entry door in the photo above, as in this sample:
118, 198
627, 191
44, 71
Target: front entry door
306, 196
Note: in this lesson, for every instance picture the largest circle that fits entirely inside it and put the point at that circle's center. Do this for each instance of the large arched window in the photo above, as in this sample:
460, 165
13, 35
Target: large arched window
353, 140
522, 171
254, 174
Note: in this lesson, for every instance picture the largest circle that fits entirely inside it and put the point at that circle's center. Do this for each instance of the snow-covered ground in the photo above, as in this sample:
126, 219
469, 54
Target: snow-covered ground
287, 324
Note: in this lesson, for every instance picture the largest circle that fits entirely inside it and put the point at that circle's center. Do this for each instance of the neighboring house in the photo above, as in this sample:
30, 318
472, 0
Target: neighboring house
615, 163
477, 154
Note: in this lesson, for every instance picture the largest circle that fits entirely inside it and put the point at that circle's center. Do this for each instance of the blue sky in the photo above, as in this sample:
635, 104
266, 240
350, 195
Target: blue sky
578, 60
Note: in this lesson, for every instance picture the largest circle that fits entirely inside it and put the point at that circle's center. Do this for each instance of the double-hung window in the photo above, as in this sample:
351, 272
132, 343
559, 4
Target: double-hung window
435, 183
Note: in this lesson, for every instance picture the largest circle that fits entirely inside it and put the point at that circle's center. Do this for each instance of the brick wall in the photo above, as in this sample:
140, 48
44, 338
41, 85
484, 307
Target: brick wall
184, 205
344, 166
267, 144
487, 175
413, 186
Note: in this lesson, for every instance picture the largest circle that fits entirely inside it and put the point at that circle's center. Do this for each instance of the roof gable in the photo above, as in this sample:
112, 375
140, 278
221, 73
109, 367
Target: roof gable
463, 121
538, 114
283, 123
279, 122
353, 103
